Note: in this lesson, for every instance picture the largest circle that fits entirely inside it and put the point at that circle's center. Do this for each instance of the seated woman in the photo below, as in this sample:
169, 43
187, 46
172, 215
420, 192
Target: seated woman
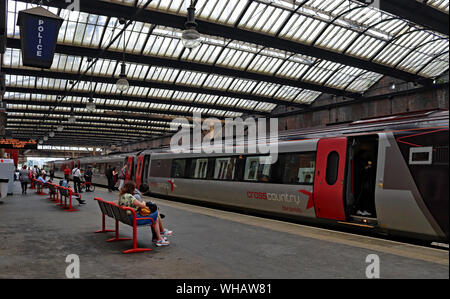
128, 200
138, 195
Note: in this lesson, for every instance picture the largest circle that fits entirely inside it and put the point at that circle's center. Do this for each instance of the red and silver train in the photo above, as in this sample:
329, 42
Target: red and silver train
387, 175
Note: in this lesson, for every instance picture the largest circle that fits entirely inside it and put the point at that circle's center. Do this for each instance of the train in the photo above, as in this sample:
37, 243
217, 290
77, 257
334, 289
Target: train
386, 175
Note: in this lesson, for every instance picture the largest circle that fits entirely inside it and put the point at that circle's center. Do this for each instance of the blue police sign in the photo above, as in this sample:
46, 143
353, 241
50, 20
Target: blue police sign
39, 30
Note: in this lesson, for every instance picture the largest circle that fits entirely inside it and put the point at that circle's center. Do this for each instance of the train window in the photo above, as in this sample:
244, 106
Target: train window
332, 168
225, 169
299, 168
199, 168
178, 168
421, 155
258, 169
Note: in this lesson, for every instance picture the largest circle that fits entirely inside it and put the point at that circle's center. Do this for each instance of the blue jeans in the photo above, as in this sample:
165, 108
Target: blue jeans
148, 220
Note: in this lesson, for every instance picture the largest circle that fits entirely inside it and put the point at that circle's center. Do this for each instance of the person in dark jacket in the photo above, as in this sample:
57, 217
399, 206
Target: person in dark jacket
109, 175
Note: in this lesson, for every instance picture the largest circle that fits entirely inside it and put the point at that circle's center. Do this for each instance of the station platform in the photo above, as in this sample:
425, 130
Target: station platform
36, 237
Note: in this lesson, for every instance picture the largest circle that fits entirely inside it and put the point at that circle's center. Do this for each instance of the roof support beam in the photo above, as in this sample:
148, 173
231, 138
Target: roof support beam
82, 125
418, 13
119, 109
150, 84
57, 121
108, 114
131, 99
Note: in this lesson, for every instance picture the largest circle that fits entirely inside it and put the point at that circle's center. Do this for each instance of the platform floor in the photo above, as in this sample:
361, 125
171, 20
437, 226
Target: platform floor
36, 236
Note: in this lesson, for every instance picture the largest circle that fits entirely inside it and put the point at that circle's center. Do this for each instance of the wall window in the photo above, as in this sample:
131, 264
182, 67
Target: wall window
299, 168
225, 168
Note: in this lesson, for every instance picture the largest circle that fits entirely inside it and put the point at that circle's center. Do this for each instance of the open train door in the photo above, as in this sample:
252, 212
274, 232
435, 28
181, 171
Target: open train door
139, 169
329, 178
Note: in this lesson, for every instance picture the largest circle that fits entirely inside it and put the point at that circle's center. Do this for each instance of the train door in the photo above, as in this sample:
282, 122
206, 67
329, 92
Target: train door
129, 168
146, 169
361, 174
139, 170
330, 178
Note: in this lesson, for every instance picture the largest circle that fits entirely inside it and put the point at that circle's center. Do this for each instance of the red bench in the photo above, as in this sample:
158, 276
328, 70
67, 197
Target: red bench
39, 186
67, 194
119, 214
53, 192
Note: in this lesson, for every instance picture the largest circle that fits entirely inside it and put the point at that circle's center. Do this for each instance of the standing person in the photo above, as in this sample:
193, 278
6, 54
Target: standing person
110, 177
36, 172
52, 174
76, 174
67, 172
24, 178
88, 178
122, 176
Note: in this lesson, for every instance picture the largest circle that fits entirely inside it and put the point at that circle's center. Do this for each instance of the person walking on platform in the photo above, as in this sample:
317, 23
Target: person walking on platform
76, 174
24, 178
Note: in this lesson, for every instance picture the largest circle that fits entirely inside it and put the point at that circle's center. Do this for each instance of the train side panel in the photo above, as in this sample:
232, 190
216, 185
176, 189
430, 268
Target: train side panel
399, 204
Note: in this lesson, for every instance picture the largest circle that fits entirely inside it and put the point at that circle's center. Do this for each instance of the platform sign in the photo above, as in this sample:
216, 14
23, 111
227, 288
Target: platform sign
39, 30
18, 144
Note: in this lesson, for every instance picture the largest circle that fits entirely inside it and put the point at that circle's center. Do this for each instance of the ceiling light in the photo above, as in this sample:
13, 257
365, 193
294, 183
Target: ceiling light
191, 39
190, 36
45, 138
393, 86
123, 84
41, 142
52, 134
60, 128
72, 119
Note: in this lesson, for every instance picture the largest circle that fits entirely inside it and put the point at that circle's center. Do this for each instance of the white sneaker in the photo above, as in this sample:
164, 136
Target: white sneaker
162, 242
166, 233
155, 240
359, 213
365, 213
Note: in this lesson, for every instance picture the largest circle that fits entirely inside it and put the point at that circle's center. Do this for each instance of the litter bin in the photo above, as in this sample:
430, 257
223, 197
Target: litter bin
4, 188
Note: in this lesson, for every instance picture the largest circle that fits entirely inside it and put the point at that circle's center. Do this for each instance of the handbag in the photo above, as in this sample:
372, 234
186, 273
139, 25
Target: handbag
144, 211
153, 207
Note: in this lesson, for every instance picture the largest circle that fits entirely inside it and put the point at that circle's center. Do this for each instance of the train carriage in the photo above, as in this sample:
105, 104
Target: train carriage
387, 175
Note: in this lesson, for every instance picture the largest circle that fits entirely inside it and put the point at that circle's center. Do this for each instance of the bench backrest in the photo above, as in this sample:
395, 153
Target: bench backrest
114, 211
63, 191
52, 188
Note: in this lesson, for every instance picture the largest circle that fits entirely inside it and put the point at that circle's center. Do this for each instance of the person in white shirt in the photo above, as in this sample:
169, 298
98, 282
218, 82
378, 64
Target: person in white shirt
76, 174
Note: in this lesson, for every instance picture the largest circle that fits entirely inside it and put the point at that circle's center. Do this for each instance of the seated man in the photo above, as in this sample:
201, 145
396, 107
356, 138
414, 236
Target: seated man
65, 184
42, 180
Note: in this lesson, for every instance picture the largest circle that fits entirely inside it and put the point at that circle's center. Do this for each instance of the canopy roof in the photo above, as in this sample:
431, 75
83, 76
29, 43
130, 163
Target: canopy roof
255, 55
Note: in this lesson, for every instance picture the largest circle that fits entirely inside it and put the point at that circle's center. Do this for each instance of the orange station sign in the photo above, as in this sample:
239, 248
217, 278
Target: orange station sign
18, 144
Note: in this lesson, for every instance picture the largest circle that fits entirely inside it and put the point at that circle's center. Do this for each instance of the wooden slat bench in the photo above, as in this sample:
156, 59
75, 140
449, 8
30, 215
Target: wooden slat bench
120, 214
